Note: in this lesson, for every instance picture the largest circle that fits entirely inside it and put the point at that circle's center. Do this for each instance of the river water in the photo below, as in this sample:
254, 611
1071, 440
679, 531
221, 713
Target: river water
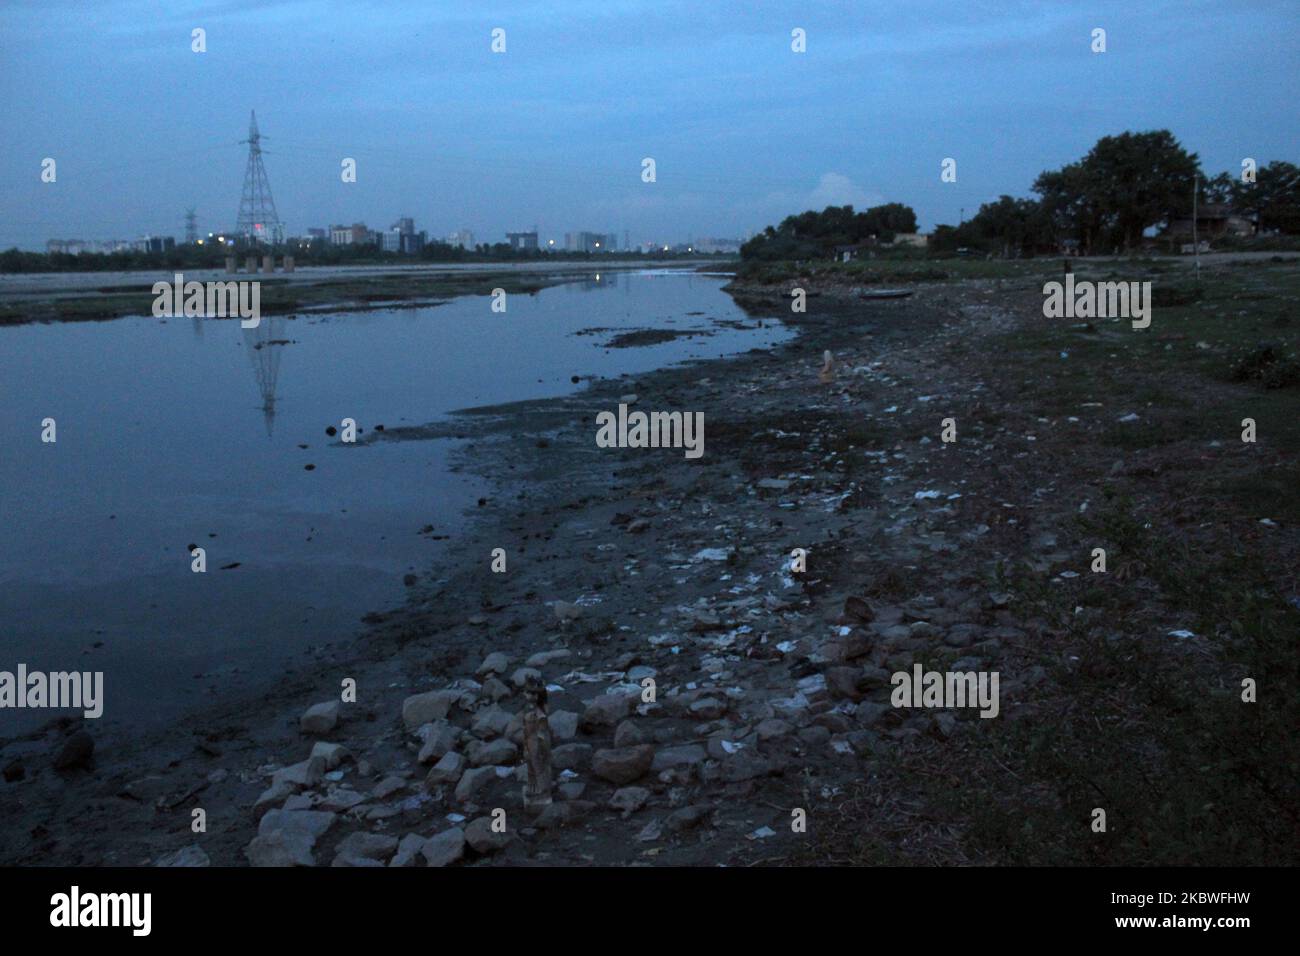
179, 432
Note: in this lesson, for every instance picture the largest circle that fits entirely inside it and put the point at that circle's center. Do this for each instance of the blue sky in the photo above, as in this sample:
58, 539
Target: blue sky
553, 131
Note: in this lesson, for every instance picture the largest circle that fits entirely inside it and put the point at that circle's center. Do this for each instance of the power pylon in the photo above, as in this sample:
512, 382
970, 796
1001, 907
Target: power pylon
258, 221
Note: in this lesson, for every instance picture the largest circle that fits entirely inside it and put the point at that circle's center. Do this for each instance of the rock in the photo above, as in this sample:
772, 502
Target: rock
387, 787
446, 771
494, 690
288, 837
686, 818
444, 848
408, 850
843, 682
14, 771
542, 658
472, 781
483, 839
320, 718
439, 737
312, 822
772, 729
495, 753
348, 859
332, 754
425, 708
494, 663
521, 676
367, 846
622, 765
963, 635
279, 849
566, 611
707, 708
564, 725
607, 710
490, 722
815, 736
571, 756
189, 856
747, 765
146, 789
857, 643
684, 755
341, 799
306, 773
271, 796
868, 712
77, 751
628, 734
571, 790
629, 800
563, 814
514, 731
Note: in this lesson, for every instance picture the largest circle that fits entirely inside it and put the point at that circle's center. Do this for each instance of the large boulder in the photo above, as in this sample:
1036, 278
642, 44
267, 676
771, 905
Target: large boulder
419, 709
444, 848
622, 765
320, 718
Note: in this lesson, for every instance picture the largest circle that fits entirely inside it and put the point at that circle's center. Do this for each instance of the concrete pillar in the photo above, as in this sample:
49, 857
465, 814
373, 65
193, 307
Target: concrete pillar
250, 265
230, 264
288, 263
268, 264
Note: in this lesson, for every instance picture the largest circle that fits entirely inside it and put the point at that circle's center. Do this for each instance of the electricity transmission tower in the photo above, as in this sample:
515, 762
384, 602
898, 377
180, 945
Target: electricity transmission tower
258, 221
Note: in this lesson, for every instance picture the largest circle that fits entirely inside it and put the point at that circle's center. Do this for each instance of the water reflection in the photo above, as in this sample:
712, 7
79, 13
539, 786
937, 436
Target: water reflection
265, 344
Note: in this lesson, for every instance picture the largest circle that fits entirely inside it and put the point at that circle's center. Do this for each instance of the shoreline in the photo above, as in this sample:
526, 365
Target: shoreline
773, 687
312, 289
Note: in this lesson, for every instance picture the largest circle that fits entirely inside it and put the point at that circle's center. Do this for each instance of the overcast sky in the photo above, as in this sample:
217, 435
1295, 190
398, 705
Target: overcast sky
552, 132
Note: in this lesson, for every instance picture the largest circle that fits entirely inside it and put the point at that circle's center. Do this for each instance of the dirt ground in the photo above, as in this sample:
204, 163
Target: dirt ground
771, 738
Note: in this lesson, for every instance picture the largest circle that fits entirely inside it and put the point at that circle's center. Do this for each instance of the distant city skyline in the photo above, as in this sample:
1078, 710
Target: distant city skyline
553, 131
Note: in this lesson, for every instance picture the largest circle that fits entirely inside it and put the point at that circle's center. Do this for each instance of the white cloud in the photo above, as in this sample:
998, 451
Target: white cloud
836, 189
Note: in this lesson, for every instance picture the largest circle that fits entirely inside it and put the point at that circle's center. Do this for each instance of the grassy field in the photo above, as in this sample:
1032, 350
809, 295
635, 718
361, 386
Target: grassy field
1201, 532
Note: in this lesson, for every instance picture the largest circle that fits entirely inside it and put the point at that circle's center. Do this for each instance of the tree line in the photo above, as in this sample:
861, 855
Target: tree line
1104, 202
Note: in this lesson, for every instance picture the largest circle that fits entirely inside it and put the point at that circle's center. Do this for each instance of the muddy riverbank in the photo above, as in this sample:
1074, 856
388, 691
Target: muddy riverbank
771, 736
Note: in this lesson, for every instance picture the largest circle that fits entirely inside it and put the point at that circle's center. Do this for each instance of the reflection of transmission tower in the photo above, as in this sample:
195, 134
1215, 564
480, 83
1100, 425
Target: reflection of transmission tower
191, 226
258, 220
264, 344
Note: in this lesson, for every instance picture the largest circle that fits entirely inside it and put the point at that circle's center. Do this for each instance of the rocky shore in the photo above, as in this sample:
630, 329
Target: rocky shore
715, 636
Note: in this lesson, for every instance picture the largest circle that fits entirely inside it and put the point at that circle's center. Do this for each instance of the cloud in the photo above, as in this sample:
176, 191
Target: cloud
836, 189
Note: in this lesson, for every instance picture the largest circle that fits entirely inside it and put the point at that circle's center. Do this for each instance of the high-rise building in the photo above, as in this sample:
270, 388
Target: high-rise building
586, 242
354, 235
463, 238
522, 240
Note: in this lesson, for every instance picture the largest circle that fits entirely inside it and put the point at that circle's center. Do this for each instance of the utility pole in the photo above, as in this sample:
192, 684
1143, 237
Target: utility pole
1196, 244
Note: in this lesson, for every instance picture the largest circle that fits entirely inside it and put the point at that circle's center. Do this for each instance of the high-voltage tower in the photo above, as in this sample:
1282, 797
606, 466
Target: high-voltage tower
258, 221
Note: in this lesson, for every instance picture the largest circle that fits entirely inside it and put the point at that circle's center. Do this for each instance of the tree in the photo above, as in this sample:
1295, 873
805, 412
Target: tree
812, 235
1273, 200
1071, 205
1125, 184
1141, 180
